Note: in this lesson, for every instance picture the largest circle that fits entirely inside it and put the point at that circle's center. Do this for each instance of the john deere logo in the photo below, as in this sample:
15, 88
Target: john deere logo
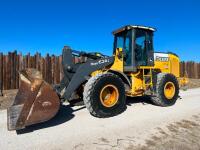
102, 61
162, 58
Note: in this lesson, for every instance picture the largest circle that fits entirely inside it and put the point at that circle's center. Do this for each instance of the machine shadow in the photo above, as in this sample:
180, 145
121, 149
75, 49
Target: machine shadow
64, 114
145, 100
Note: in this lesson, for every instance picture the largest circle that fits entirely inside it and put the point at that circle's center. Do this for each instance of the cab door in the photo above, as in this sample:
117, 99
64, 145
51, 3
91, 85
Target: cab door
144, 48
129, 54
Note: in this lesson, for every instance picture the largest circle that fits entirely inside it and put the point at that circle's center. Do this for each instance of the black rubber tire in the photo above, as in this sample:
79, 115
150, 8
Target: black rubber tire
91, 95
159, 98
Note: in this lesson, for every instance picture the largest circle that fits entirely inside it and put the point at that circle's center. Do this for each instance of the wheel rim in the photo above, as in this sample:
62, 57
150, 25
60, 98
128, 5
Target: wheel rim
109, 95
169, 90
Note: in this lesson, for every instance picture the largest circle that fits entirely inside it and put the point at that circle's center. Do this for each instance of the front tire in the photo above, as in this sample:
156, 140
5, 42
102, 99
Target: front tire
104, 95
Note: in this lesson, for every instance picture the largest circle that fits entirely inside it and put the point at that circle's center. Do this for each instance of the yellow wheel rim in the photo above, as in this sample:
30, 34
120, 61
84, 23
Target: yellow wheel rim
169, 90
109, 95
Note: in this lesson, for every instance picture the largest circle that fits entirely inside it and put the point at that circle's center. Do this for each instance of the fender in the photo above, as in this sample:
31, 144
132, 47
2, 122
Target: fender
123, 76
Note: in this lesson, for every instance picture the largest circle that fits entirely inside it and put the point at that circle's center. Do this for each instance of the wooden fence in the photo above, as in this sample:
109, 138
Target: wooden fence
51, 68
190, 69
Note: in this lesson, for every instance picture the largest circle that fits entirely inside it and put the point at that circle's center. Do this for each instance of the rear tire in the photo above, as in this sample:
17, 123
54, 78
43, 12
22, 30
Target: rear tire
166, 90
92, 95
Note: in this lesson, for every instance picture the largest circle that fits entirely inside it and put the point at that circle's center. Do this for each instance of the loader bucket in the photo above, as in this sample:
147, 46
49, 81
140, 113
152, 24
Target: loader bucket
35, 102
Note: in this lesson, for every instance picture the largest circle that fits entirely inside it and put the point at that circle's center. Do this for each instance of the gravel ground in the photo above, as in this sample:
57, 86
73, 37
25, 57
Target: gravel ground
141, 126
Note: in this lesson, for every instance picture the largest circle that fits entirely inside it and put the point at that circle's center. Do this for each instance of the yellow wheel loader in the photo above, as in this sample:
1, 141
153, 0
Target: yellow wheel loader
102, 82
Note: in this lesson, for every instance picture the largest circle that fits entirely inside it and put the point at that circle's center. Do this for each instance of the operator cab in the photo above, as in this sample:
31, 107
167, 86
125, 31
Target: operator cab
137, 46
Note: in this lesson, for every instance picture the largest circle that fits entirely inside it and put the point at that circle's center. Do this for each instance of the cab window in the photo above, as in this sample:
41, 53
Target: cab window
123, 40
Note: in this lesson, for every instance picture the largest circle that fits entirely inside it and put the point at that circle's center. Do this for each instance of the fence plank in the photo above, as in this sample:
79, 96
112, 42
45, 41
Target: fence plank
4, 72
57, 70
1, 74
17, 58
198, 70
13, 71
9, 72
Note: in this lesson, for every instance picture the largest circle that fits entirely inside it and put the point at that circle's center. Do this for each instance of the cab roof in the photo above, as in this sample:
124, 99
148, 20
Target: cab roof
128, 27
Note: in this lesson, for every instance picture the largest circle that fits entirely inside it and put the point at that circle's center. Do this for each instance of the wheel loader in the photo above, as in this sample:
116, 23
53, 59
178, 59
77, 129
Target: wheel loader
103, 82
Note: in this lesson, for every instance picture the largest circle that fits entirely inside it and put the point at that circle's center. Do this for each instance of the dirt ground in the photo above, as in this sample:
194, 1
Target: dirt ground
193, 83
7, 99
182, 135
